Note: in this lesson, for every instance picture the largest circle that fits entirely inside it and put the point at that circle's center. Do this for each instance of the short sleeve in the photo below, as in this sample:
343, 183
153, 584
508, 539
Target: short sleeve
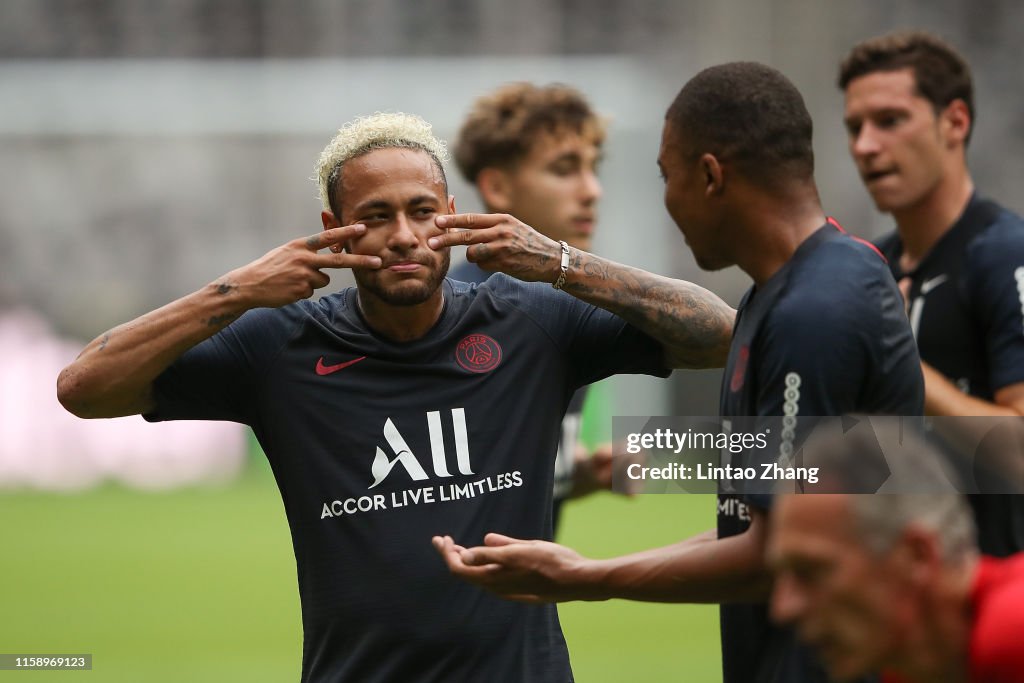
848, 350
841, 348
597, 343
810, 362
219, 378
996, 267
603, 344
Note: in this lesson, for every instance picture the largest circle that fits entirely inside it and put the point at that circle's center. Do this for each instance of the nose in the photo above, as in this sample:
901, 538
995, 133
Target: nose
864, 142
403, 235
591, 187
787, 601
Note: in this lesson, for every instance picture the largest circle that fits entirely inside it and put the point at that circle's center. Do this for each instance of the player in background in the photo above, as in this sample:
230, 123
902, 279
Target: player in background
894, 582
821, 332
958, 257
533, 152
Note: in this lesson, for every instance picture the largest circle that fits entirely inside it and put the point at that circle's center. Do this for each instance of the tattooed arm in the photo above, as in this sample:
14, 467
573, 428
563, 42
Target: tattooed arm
693, 325
114, 374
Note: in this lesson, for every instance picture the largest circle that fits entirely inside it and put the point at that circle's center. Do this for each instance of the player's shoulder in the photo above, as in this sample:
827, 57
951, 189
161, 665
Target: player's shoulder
999, 589
851, 254
267, 330
548, 310
331, 310
842, 275
998, 242
509, 289
329, 307
274, 318
999, 610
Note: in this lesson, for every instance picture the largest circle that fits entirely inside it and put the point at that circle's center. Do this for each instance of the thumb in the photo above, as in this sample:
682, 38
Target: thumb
493, 540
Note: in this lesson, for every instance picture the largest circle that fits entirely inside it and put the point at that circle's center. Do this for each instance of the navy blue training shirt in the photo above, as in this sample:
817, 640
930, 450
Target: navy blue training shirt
467, 271
967, 312
378, 445
826, 335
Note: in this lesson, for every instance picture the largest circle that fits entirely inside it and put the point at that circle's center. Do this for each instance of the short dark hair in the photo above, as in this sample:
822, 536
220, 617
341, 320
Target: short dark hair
941, 74
748, 114
502, 125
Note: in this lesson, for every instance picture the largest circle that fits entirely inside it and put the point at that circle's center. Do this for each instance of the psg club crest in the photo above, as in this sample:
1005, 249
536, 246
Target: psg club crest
478, 353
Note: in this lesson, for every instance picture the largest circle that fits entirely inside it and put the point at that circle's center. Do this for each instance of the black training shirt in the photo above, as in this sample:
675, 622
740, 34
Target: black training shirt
378, 445
825, 335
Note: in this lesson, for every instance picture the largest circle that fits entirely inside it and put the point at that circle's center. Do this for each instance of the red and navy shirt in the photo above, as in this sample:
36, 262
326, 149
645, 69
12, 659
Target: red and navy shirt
825, 335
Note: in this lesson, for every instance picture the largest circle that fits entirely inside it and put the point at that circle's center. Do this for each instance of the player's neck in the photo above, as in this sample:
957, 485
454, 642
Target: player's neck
923, 224
778, 226
400, 323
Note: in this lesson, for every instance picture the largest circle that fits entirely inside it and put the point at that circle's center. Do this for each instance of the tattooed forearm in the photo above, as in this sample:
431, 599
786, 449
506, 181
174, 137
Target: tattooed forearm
226, 287
692, 323
103, 342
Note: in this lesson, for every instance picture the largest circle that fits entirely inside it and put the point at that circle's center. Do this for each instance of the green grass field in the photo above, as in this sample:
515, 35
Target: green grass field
199, 585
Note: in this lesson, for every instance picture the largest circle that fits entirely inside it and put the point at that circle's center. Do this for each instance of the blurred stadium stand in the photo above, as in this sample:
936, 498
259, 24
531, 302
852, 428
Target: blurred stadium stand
148, 147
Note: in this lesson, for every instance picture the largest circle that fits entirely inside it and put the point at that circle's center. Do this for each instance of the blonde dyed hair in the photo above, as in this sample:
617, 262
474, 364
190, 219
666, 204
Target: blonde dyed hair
383, 130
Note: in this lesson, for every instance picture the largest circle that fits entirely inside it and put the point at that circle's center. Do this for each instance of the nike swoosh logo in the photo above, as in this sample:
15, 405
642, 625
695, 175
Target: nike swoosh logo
322, 369
929, 285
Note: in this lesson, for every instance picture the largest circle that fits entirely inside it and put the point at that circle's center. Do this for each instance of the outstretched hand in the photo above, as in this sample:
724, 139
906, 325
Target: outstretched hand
499, 242
515, 569
294, 270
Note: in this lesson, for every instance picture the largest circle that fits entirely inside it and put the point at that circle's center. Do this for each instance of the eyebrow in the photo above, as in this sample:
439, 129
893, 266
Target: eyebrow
371, 204
384, 204
874, 113
423, 199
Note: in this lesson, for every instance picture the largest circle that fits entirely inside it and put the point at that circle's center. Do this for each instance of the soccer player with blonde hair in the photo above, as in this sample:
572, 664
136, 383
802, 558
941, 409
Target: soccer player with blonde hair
407, 406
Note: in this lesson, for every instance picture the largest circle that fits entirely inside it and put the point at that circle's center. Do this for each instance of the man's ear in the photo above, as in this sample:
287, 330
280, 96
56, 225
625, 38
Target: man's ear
920, 552
494, 186
329, 221
955, 122
714, 179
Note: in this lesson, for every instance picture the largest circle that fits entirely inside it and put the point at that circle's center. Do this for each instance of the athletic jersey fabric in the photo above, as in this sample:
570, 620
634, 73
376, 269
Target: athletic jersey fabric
967, 312
825, 335
378, 445
467, 271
